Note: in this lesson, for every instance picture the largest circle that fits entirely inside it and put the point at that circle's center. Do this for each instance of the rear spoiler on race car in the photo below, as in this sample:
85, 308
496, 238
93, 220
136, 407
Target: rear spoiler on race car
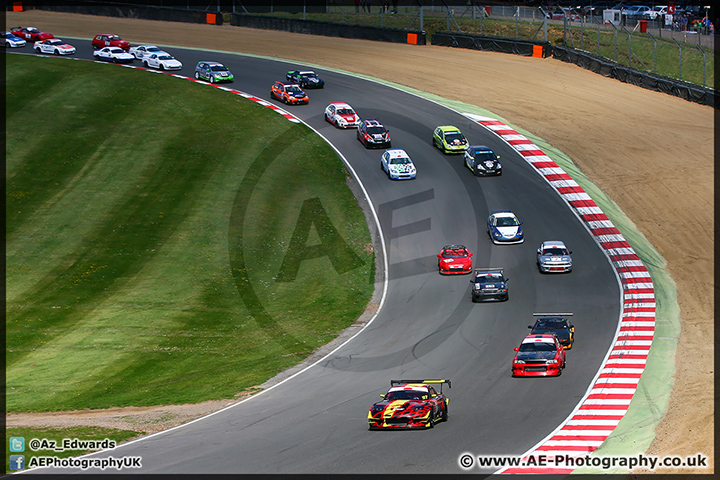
553, 314
492, 269
439, 381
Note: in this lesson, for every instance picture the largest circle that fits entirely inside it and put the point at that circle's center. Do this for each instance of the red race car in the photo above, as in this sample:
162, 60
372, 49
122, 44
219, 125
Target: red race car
109, 40
454, 259
410, 404
539, 356
31, 33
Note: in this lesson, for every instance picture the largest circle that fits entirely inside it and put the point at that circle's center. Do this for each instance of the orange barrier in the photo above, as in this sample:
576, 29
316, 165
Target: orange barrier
17, 7
211, 18
412, 38
537, 51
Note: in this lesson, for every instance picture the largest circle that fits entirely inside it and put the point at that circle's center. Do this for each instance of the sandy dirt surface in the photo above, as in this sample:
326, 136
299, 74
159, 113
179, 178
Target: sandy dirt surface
650, 152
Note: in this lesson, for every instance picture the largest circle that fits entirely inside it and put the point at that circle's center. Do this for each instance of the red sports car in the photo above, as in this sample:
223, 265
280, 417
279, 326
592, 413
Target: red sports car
31, 33
109, 40
410, 404
539, 356
454, 259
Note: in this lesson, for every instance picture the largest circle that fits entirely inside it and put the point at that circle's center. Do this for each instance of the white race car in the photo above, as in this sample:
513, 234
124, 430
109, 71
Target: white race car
54, 46
163, 61
397, 164
113, 54
12, 41
142, 51
341, 115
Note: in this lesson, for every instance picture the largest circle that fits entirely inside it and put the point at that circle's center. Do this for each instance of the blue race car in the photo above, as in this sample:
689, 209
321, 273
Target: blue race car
504, 227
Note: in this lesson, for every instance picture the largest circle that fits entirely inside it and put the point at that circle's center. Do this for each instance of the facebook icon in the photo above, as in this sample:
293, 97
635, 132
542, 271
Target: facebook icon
17, 462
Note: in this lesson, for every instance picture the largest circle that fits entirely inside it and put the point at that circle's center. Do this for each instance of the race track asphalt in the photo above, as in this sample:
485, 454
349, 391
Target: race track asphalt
428, 328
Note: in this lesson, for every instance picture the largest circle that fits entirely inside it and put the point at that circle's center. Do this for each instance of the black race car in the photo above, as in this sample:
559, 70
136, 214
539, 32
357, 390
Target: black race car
305, 78
482, 161
489, 284
555, 324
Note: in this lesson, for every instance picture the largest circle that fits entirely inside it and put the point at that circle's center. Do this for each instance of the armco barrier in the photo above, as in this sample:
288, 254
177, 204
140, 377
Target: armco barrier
328, 29
651, 81
517, 46
106, 9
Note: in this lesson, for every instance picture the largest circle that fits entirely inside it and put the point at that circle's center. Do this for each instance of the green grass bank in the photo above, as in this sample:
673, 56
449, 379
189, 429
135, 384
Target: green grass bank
167, 242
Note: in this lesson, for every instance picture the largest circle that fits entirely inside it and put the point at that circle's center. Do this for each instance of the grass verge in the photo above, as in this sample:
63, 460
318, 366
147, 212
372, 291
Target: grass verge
167, 242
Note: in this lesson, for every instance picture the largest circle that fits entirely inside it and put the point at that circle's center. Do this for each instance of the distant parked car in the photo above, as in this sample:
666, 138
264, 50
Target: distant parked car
658, 10
54, 46
636, 11
12, 41
113, 54
109, 40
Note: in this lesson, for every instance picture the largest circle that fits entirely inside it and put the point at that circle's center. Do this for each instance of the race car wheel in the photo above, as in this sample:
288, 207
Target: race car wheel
212, 79
162, 67
56, 52
445, 413
197, 76
145, 64
37, 50
115, 60
431, 422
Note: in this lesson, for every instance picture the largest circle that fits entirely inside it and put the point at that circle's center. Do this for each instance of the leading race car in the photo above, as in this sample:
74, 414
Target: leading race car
12, 41
482, 161
163, 61
54, 46
449, 139
30, 33
341, 115
113, 54
504, 227
539, 356
554, 256
288, 93
141, 51
397, 164
454, 259
489, 284
555, 324
410, 404
305, 78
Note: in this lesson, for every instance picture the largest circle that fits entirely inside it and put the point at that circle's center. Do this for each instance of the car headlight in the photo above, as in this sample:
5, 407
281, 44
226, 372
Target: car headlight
554, 361
496, 233
518, 361
448, 260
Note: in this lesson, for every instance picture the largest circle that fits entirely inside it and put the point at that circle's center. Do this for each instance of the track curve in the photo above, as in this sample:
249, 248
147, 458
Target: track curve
315, 423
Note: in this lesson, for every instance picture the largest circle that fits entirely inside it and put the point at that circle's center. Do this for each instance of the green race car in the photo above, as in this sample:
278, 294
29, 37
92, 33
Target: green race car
450, 140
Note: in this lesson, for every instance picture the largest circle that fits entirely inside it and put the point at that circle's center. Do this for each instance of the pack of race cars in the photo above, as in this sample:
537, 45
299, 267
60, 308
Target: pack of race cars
408, 403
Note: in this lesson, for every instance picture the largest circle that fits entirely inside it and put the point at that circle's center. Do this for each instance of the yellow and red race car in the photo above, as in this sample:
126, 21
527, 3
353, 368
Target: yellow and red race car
410, 404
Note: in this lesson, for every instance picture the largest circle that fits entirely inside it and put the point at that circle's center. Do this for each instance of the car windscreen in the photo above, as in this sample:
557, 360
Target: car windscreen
552, 324
116, 50
537, 347
164, 57
452, 136
345, 111
483, 155
555, 251
488, 278
405, 395
455, 254
218, 68
506, 221
375, 130
293, 89
400, 161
